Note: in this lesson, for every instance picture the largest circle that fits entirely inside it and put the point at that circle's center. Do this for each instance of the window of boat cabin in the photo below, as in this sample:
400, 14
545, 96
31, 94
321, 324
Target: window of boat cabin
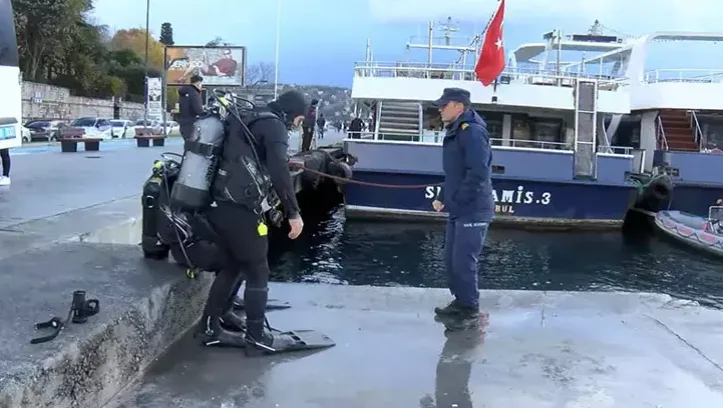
537, 132
494, 125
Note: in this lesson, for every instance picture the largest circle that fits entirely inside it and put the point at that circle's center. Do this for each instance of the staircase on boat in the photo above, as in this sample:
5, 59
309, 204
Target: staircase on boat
399, 120
675, 125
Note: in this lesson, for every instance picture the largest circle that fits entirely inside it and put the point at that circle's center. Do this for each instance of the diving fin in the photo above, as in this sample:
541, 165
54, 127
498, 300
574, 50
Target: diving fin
271, 304
290, 341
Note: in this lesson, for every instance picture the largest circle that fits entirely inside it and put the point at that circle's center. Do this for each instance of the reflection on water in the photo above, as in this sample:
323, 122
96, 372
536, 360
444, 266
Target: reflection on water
410, 254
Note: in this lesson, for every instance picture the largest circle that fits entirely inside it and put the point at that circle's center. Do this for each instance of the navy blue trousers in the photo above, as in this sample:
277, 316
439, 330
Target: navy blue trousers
462, 246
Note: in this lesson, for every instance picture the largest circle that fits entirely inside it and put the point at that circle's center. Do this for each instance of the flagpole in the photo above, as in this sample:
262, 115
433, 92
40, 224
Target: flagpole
276, 59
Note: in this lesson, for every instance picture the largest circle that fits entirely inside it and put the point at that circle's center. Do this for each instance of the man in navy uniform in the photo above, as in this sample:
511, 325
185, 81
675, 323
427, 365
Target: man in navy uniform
468, 198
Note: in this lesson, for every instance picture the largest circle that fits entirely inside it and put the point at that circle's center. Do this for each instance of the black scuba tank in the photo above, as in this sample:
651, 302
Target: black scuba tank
150, 241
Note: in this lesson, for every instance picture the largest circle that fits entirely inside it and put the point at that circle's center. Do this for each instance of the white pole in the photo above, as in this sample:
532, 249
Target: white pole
276, 62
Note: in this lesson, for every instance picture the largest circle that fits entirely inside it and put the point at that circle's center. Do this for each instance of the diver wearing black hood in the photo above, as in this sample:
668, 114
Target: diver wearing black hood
240, 225
190, 106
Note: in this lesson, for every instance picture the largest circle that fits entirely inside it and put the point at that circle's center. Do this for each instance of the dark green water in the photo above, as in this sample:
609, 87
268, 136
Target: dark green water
410, 254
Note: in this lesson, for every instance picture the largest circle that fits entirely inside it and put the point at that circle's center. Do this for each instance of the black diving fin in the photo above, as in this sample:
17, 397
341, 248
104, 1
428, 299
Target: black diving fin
271, 304
291, 341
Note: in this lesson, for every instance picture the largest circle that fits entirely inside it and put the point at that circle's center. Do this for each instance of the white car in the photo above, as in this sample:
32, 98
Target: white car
172, 128
89, 128
154, 126
120, 128
25, 134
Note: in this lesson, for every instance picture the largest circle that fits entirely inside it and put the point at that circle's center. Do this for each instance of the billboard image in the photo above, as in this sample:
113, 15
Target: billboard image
154, 98
219, 66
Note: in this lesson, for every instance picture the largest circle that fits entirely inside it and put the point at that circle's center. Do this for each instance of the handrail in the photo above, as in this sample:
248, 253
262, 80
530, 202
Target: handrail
698, 132
421, 118
682, 75
661, 134
378, 120
464, 73
497, 143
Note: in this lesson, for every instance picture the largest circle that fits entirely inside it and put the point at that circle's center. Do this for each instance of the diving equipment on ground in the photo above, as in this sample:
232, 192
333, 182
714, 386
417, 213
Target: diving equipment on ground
200, 158
282, 341
150, 242
80, 309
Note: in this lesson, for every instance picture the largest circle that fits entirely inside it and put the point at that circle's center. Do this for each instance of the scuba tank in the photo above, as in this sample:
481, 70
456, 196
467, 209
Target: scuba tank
151, 244
200, 156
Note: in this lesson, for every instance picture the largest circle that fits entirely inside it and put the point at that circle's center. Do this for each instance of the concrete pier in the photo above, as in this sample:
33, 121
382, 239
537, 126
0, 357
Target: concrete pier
538, 349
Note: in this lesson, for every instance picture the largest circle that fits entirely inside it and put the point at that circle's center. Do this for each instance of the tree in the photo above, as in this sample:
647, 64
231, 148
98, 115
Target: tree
166, 34
217, 42
135, 39
260, 72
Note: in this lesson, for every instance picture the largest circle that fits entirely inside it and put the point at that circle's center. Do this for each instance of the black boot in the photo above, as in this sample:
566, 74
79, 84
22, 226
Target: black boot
258, 337
233, 321
453, 308
212, 334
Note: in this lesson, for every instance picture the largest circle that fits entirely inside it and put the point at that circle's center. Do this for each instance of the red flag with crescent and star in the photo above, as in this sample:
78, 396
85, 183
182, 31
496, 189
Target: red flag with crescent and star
491, 61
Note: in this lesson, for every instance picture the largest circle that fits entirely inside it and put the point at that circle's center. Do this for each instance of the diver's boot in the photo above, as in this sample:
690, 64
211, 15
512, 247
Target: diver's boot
453, 308
212, 334
233, 321
258, 337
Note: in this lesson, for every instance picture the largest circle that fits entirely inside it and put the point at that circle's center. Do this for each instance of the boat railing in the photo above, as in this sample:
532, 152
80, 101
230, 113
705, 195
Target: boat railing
461, 72
698, 133
683, 75
715, 215
660, 137
521, 144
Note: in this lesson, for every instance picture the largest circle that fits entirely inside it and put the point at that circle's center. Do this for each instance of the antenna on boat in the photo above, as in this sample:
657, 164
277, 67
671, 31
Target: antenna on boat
596, 28
448, 29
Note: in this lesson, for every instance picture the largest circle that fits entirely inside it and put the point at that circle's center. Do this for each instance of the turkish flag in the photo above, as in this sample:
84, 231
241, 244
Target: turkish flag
492, 58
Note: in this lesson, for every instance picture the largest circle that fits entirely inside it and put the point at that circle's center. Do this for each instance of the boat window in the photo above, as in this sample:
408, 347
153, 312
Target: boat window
498, 169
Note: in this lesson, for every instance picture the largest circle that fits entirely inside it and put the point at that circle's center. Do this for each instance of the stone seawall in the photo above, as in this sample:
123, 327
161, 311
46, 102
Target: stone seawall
42, 101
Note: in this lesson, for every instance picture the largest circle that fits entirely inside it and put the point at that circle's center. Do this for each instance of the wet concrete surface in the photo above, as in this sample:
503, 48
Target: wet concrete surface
144, 306
49, 184
535, 349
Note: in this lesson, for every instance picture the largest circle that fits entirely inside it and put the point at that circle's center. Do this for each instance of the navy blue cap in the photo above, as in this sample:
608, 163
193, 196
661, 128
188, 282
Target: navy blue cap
453, 95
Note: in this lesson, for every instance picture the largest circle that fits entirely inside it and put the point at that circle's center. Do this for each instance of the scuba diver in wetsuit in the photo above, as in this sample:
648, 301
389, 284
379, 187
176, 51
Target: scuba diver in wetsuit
249, 167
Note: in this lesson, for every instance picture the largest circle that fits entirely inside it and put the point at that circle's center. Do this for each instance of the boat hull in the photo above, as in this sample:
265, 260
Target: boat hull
516, 200
689, 229
694, 198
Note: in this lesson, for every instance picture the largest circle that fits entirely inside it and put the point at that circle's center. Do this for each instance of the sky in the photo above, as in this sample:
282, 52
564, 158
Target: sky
320, 40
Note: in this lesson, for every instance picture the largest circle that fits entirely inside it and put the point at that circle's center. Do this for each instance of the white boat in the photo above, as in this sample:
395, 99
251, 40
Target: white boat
567, 136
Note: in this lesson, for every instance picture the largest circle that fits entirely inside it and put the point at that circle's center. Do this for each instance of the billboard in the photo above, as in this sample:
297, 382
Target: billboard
219, 66
154, 99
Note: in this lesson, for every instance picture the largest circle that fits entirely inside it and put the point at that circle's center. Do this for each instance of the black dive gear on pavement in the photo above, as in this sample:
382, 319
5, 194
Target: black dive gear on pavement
80, 310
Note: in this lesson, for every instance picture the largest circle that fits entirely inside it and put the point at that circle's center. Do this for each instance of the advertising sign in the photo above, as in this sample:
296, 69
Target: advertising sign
154, 98
218, 66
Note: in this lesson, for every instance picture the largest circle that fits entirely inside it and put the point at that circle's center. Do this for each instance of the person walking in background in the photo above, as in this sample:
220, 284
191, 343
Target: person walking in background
308, 126
469, 199
321, 122
190, 106
355, 128
5, 156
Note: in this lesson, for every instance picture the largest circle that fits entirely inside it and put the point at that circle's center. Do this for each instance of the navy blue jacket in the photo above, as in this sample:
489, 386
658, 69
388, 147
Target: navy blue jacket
467, 161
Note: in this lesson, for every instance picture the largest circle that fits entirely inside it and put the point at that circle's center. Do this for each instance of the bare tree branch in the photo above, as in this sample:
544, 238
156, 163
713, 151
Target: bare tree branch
260, 72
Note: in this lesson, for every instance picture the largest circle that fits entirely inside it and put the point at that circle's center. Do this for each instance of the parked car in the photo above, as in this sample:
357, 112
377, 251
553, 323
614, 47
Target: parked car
120, 128
89, 128
172, 128
46, 130
153, 125
25, 134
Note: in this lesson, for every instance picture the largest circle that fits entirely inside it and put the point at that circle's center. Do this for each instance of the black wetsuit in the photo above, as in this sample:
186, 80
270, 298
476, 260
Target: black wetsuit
237, 228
